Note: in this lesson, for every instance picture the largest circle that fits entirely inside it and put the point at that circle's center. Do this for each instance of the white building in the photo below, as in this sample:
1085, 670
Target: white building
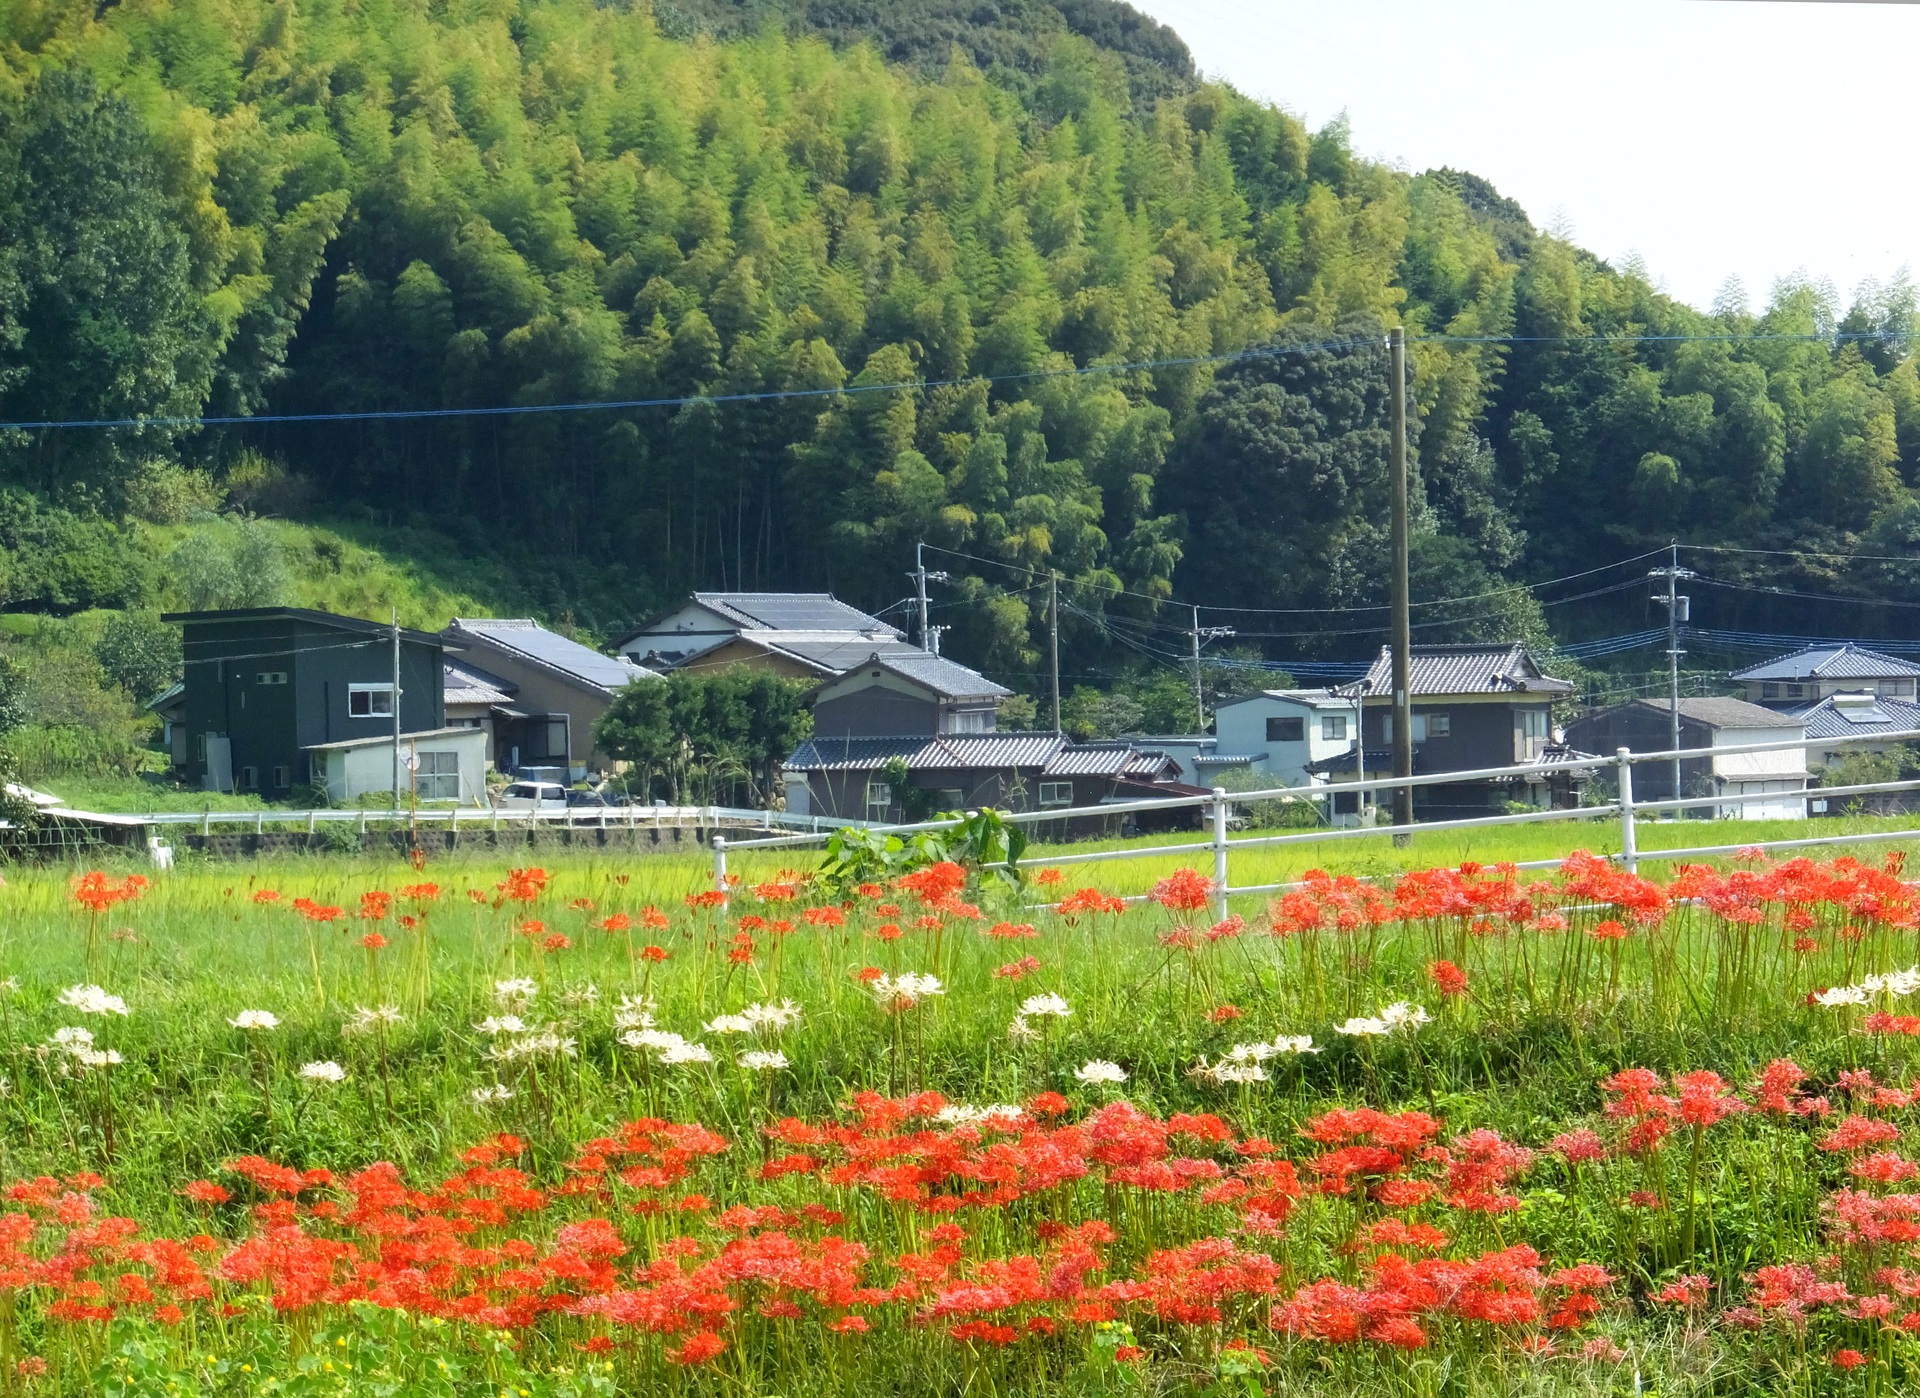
447, 766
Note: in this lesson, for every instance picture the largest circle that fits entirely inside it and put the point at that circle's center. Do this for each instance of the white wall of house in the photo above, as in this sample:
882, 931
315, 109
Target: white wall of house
449, 766
1782, 773
1326, 727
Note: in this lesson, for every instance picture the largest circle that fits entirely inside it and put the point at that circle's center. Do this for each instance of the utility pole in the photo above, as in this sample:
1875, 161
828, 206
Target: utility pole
1679, 610
1200, 634
396, 711
1402, 606
929, 641
1053, 627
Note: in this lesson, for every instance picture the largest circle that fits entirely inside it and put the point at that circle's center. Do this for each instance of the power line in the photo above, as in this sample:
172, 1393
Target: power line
913, 385
1806, 553
1805, 596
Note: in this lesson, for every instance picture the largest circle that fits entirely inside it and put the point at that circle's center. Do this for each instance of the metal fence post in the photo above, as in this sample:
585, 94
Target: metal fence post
1219, 854
1629, 843
719, 844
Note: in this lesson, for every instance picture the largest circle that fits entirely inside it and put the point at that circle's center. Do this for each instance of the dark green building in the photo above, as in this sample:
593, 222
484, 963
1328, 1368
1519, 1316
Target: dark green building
264, 684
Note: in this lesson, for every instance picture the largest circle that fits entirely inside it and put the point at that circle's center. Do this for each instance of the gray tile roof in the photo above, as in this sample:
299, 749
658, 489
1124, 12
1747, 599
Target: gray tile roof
1828, 719
1313, 698
947, 678
527, 639
791, 611
469, 684
1434, 671
1110, 760
997, 751
1725, 713
830, 652
1841, 662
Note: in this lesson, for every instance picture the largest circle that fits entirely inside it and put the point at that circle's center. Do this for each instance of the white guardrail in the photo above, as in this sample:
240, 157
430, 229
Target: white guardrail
1220, 803
458, 818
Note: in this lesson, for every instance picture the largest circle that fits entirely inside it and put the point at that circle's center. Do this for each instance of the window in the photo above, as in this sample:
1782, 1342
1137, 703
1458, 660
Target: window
1439, 725
1056, 794
369, 701
436, 776
271, 677
557, 745
1770, 690
249, 779
1286, 730
282, 778
1534, 722
968, 720
1889, 689
952, 798
200, 747
1333, 728
1419, 728
879, 801
1796, 691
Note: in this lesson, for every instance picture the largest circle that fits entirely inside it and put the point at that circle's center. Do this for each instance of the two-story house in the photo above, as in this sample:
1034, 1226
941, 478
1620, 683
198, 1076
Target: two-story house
1281, 734
1473, 707
275, 697
1839, 692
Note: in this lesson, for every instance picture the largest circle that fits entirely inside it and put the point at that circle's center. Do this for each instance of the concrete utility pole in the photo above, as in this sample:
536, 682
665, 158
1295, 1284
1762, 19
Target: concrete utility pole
929, 640
1679, 610
396, 711
1201, 634
1053, 627
1402, 605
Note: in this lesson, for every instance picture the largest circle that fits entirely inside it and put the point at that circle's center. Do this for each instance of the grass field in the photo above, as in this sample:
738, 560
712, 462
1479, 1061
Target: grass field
347, 1126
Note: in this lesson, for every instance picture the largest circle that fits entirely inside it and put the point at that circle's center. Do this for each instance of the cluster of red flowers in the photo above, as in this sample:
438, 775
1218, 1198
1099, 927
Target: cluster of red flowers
96, 892
491, 1245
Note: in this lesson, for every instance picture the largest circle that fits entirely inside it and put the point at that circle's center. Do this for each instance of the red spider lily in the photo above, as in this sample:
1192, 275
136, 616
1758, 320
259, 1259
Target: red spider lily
1014, 970
316, 912
708, 898
265, 895
375, 905
824, 917
935, 883
617, 922
421, 892
653, 953
1011, 931
96, 892
1089, 900
373, 941
1223, 1014
1183, 891
1447, 978
653, 919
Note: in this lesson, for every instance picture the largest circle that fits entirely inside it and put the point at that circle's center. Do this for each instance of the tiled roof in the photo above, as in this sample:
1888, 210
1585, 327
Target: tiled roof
947, 678
1714, 712
997, 751
1434, 671
791, 611
469, 684
1110, 760
831, 652
529, 640
1828, 719
1842, 662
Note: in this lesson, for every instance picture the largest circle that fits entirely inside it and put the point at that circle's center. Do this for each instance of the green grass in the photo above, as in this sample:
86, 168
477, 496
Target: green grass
1549, 1014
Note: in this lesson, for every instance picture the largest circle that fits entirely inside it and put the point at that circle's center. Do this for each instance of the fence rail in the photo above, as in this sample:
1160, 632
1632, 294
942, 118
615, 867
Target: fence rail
1629, 813
466, 818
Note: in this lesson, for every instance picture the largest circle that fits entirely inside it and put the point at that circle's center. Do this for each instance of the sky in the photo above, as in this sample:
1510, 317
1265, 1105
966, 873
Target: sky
1715, 138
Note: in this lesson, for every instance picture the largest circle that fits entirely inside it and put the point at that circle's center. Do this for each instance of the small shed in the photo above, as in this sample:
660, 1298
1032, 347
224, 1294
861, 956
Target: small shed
445, 766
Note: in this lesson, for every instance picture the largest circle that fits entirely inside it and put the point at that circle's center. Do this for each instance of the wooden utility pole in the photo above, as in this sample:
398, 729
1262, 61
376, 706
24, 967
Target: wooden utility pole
1053, 628
396, 711
1402, 607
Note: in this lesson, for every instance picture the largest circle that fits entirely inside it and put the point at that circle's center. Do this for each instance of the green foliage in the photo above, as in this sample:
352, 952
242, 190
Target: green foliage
140, 653
706, 733
229, 561
1088, 713
916, 803
983, 842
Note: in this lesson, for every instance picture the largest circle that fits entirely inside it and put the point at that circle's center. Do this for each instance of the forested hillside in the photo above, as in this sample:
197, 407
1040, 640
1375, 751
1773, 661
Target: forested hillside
246, 207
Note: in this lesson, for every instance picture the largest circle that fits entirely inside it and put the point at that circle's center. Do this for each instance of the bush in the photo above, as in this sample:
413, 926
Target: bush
140, 653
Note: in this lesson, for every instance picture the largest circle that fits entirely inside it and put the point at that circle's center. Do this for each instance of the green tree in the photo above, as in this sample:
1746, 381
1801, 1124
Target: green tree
140, 653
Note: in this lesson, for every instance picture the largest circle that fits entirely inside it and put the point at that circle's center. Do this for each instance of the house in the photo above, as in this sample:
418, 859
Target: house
891, 695
801, 635
1813, 673
559, 690
1473, 706
1856, 716
445, 766
170, 707
1644, 725
844, 776
266, 687
1192, 751
1281, 733
476, 698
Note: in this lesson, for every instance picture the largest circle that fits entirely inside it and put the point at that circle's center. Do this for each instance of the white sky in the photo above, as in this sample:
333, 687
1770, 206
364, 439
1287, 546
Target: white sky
1753, 138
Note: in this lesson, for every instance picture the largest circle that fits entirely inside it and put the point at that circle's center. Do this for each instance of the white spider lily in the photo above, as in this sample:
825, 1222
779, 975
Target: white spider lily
686, 1053
1294, 1043
906, 990
501, 1024
368, 1018
1047, 1004
255, 1019
1099, 1070
92, 1000
730, 1024
762, 1060
488, 1095
518, 992
1841, 995
326, 1070
772, 1017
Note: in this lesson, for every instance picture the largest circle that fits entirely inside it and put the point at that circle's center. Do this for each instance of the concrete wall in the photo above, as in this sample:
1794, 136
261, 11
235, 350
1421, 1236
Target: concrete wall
875, 711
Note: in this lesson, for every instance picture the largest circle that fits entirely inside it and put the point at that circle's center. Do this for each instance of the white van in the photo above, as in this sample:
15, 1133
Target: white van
534, 796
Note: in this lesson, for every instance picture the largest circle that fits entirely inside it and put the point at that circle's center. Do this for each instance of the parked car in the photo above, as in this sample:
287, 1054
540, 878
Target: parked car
592, 799
534, 796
